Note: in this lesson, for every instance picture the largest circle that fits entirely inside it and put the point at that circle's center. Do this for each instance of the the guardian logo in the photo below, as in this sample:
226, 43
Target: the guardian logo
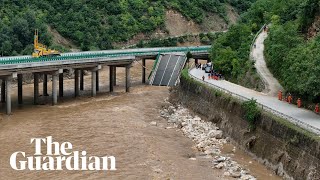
59, 157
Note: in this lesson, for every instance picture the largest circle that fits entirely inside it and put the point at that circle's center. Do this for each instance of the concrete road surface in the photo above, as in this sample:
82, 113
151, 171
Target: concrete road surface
303, 115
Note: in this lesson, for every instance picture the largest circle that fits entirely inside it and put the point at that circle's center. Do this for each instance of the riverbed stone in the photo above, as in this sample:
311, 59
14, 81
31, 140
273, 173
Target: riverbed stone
219, 166
226, 174
208, 139
153, 123
247, 177
235, 174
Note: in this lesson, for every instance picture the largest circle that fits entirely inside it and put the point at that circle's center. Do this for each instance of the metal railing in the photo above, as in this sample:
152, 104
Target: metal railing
102, 54
293, 120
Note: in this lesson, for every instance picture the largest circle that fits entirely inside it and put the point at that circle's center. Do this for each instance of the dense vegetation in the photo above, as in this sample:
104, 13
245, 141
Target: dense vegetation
230, 53
294, 59
205, 39
92, 24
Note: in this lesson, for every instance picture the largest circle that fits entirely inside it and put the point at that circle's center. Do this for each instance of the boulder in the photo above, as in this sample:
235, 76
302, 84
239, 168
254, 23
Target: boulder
153, 123
235, 174
247, 177
219, 166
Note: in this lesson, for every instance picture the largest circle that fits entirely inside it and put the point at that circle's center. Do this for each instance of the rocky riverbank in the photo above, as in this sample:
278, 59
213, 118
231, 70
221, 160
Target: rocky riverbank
288, 150
208, 138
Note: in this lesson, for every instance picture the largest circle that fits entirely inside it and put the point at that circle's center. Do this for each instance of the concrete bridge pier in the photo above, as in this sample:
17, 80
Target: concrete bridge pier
128, 82
45, 85
20, 88
97, 80
143, 71
115, 76
54, 88
36, 88
3, 91
61, 85
81, 79
111, 78
196, 61
8, 95
76, 83
93, 83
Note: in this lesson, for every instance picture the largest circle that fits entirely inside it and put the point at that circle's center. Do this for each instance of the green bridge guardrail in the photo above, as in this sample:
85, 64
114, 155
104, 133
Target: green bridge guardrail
154, 65
88, 55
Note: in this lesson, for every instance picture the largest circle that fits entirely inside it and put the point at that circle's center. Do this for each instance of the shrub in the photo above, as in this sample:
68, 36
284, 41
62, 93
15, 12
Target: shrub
251, 112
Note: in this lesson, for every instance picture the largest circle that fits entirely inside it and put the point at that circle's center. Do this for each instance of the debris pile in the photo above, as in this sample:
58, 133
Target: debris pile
208, 137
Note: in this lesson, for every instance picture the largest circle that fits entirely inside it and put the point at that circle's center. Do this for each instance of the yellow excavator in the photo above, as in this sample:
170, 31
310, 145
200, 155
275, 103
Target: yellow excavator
41, 50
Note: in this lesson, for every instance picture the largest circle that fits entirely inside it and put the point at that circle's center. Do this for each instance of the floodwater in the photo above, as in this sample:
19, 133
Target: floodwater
116, 124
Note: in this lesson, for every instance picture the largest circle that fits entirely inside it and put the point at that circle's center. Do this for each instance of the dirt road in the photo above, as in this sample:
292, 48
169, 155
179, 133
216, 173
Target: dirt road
272, 86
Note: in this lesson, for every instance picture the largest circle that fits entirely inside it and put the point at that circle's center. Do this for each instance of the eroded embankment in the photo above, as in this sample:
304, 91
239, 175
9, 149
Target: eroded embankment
208, 138
290, 151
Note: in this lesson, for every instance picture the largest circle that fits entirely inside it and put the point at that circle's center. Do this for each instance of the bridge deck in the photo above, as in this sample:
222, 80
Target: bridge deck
104, 54
168, 69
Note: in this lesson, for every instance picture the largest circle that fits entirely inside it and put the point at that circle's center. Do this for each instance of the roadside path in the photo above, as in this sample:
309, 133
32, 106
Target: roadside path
303, 115
272, 86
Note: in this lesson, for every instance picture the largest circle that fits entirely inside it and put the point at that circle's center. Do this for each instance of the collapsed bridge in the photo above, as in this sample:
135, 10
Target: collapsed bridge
173, 60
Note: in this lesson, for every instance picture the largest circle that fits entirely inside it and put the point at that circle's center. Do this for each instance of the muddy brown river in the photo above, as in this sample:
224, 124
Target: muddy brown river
116, 124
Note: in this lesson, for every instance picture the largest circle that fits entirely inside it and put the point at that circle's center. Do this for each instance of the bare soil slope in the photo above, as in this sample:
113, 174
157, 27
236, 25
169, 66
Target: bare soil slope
60, 40
314, 29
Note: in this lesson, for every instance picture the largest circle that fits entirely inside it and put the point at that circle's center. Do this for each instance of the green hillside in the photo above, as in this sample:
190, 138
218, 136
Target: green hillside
293, 58
94, 24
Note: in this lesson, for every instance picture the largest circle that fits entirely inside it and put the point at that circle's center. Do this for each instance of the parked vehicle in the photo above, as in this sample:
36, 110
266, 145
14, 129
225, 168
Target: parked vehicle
204, 66
207, 69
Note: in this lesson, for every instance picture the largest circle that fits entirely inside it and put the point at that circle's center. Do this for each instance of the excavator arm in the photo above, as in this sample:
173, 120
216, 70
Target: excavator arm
41, 50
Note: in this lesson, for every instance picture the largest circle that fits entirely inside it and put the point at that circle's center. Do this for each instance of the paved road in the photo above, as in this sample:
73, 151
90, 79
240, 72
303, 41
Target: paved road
290, 110
168, 69
272, 86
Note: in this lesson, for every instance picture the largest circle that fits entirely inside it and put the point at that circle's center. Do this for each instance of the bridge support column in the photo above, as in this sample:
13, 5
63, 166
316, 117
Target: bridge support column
111, 78
54, 88
93, 83
196, 61
8, 95
97, 80
81, 79
76, 83
115, 75
61, 85
128, 82
36, 88
143, 71
3, 91
19, 88
45, 85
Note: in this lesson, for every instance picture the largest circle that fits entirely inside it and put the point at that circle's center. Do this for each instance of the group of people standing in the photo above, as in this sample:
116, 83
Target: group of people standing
198, 65
288, 98
214, 75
